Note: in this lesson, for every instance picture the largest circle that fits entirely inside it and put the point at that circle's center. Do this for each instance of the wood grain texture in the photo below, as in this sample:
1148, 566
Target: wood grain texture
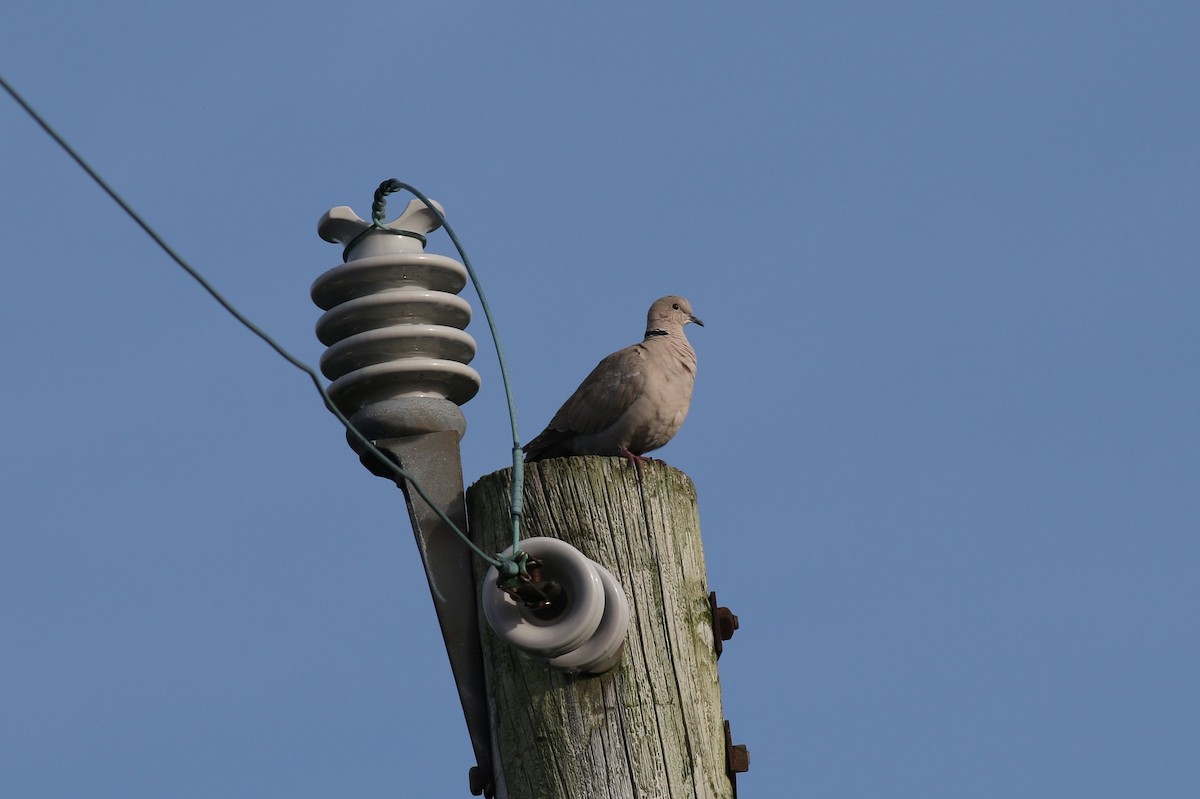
652, 727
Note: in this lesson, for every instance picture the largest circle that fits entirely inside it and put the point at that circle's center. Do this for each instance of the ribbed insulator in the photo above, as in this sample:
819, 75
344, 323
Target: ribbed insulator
588, 635
393, 323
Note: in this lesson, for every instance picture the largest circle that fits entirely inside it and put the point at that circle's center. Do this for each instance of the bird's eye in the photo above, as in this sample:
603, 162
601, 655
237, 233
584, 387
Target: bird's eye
675, 305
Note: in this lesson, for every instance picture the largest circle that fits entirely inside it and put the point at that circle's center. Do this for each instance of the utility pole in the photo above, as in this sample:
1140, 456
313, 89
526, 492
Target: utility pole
652, 727
620, 697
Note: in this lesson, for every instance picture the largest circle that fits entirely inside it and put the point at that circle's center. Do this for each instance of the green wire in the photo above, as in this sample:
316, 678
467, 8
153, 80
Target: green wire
392, 186
506, 565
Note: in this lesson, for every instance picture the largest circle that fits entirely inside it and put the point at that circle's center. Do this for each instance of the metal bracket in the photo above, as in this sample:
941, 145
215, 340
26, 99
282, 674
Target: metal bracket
433, 460
481, 783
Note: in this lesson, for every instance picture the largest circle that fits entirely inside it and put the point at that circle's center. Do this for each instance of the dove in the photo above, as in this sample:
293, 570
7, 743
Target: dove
635, 400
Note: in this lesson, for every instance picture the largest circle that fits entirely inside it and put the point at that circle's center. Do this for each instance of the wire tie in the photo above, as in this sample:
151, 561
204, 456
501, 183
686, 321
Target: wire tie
376, 226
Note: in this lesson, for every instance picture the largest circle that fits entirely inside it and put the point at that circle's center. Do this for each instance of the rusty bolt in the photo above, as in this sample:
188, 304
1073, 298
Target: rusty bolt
724, 623
737, 759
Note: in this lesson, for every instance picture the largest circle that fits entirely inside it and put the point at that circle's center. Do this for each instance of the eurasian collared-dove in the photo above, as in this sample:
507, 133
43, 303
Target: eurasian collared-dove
635, 400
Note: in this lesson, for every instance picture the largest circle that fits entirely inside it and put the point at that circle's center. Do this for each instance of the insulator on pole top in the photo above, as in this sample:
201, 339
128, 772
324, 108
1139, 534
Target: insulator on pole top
394, 326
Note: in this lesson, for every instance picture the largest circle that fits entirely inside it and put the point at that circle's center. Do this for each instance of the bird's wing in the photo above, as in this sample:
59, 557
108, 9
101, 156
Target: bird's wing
605, 394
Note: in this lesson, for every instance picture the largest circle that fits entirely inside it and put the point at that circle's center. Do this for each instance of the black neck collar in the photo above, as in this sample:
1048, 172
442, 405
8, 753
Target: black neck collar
656, 332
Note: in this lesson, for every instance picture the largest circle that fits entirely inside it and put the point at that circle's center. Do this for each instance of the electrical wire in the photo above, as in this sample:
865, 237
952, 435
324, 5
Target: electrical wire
506, 565
392, 186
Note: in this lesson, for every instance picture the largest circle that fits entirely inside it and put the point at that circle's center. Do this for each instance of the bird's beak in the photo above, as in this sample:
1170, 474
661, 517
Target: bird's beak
694, 319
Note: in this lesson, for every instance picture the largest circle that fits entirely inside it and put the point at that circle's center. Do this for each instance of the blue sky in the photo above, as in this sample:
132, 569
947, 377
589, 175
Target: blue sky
945, 432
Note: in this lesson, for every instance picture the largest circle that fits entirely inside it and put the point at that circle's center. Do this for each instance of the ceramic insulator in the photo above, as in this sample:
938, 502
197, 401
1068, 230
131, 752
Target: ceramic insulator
393, 322
588, 637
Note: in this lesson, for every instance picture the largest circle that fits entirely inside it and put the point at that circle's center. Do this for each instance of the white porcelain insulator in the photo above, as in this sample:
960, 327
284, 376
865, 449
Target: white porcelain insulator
603, 650
393, 323
564, 642
582, 587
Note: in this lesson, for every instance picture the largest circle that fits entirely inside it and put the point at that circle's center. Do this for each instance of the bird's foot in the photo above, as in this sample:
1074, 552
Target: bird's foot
636, 460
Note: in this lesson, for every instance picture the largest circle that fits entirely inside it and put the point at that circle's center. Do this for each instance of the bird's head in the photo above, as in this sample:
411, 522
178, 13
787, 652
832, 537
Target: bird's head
670, 311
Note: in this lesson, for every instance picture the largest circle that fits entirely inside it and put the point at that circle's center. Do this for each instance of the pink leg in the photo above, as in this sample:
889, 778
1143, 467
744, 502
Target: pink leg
636, 460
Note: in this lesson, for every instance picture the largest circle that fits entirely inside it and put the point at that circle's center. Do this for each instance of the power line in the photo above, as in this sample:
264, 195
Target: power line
238, 315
